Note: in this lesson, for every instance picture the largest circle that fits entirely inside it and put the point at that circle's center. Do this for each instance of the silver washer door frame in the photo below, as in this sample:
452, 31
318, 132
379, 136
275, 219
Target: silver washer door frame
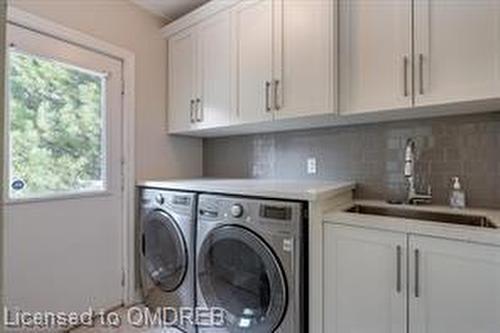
162, 240
237, 281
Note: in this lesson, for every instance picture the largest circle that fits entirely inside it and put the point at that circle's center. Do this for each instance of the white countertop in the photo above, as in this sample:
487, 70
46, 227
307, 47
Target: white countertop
303, 190
426, 228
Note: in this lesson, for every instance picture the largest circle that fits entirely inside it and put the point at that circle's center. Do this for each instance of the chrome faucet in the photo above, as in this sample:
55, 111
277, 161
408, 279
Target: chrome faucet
414, 198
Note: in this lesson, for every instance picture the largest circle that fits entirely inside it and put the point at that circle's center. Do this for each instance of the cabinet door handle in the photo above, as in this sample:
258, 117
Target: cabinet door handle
143, 244
191, 110
268, 107
406, 92
399, 252
199, 110
277, 105
417, 273
421, 73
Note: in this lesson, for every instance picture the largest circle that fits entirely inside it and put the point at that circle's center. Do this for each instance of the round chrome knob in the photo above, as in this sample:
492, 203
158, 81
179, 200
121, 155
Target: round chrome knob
237, 210
160, 199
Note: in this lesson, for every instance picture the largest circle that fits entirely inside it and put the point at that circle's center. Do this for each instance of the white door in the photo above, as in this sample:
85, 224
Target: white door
375, 55
305, 57
254, 31
364, 280
455, 286
183, 104
457, 50
216, 71
63, 219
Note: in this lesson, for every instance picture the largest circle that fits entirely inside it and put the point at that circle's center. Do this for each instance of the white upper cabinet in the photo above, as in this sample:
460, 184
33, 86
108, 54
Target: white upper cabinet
256, 61
254, 37
364, 280
457, 50
249, 62
216, 71
182, 78
201, 75
456, 55
375, 55
304, 62
455, 286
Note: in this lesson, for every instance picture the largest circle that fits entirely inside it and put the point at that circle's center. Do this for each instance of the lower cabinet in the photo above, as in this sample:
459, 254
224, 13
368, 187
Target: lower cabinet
370, 277
364, 273
454, 286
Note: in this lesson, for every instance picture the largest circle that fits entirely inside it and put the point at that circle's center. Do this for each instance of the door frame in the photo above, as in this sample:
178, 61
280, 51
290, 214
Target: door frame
49, 28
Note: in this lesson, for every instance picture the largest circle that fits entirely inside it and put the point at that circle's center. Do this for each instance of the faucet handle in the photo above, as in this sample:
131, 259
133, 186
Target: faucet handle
408, 169
429, 190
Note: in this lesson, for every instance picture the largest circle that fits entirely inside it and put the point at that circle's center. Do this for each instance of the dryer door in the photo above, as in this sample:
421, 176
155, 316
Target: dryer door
238, 271
164, 250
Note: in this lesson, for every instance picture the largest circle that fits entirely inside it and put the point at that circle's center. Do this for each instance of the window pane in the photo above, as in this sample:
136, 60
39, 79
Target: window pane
56, 128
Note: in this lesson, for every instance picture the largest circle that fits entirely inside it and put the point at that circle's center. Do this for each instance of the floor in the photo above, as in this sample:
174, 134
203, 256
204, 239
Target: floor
126, 326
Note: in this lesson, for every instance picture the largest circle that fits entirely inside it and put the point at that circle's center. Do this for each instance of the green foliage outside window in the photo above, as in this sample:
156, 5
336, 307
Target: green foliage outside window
56, 127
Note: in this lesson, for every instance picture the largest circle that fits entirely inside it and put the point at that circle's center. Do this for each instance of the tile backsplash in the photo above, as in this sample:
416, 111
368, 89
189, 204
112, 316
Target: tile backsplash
372, 155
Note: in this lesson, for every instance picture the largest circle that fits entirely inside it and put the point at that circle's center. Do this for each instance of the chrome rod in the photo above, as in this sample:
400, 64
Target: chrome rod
143, 244
417, 273
199, 110
406, 92
191, 114
277, 105
421, 73
399, 252
268, 107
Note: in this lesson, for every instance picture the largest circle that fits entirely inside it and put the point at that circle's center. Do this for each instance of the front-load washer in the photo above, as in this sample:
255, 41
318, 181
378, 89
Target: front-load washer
167, 230
250, 262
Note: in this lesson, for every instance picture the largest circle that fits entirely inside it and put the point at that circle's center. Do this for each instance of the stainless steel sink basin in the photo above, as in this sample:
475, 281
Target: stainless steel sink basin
469, 220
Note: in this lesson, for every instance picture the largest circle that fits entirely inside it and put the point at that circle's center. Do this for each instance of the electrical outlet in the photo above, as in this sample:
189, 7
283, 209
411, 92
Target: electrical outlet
311, 166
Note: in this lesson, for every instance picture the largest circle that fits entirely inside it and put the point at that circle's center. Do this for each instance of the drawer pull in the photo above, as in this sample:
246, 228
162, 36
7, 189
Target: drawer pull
268, 86
399, 252
417, 273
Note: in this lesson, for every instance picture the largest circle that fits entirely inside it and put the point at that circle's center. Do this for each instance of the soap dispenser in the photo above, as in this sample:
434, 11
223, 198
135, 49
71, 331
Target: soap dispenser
457, 196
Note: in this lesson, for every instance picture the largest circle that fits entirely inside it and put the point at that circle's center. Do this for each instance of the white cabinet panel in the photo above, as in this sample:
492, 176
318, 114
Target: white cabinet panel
182, 78
457, 55
254, 31
364, 280
458, 286
304, 57
216, 63
375, 55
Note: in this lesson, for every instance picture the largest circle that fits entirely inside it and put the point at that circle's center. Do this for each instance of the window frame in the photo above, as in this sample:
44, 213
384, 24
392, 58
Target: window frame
35, 51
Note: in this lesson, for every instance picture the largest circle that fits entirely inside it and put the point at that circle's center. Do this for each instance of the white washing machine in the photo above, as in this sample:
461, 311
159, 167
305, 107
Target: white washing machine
167, 230
250, 262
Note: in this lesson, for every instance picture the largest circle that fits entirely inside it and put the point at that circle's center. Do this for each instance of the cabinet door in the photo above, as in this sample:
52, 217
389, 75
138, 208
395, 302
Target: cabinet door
364, 280
304, 57
216, 63
375, 55
457, 50
182, 80
254, 28
455, 286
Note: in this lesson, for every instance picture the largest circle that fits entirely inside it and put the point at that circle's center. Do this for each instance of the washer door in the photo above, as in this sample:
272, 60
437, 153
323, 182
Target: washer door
238, 272
164, 251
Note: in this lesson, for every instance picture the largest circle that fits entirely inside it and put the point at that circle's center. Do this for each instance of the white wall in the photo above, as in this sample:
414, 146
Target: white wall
126, 25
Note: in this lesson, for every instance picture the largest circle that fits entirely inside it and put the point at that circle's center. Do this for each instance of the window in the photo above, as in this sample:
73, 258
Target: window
56, 128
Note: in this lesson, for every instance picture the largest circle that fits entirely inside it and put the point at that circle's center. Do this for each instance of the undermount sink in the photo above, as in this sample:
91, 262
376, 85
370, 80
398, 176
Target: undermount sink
461, 219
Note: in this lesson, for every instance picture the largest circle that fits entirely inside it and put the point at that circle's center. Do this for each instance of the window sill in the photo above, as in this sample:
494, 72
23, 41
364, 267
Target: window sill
58, 197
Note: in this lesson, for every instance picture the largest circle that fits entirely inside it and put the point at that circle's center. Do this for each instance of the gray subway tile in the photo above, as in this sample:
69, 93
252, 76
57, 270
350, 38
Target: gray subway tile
372, 155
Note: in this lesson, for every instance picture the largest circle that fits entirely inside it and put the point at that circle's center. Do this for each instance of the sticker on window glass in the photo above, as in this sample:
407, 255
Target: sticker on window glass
17, 184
